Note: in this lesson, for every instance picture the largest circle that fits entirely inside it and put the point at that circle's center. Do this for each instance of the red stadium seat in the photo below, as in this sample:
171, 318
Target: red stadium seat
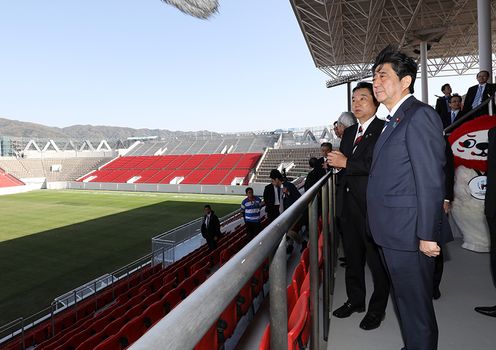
153, 314
292, 297
298, 323
298, 326
209, 340
244, 300
305, 259
225, 255
104, 298
257, 281
227, 322
265, 341
298, 277
186, 287
170, 300
166, 288
205, 262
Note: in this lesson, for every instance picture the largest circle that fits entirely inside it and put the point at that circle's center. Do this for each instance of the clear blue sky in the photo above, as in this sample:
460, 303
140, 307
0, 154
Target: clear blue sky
144, 64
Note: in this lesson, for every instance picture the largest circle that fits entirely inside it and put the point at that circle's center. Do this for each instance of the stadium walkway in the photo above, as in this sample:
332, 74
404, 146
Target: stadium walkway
466, 283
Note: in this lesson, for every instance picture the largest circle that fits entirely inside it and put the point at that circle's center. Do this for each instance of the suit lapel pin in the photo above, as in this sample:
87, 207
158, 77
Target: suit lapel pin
396, 122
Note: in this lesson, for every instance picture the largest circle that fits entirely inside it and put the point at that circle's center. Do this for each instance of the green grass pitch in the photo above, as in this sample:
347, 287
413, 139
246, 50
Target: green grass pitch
54, 241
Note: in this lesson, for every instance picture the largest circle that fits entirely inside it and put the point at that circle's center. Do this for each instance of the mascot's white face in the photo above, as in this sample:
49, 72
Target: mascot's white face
471, 146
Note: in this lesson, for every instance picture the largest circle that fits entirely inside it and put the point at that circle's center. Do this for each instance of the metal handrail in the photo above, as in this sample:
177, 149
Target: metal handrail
186, 324
467, 116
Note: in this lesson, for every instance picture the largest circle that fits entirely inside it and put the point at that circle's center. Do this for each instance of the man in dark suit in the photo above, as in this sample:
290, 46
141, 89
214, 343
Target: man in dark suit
405, 196
456, 113
355, 157
490, 211
479, 93
272, 197
442, 105
325, 147
316, 173
210, 228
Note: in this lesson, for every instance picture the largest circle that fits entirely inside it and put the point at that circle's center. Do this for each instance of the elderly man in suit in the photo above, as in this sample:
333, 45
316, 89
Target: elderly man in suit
354, 158
479, 93
405, 196
490, 211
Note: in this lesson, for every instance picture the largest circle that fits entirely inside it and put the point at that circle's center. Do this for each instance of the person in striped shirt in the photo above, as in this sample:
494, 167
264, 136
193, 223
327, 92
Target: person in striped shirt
250, 206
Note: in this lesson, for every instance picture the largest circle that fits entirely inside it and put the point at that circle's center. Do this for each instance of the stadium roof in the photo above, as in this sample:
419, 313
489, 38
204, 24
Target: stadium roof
345, 36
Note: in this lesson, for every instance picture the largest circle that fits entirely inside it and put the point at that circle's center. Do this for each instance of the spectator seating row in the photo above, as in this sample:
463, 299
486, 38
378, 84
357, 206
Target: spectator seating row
142, 301
209, 169
227, 321
298, 299
53, 169
207, 144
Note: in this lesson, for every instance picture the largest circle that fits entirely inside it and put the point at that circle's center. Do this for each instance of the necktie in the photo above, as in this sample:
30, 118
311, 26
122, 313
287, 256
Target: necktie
478, 97
388, 119
358, 138
447, 104
453, 116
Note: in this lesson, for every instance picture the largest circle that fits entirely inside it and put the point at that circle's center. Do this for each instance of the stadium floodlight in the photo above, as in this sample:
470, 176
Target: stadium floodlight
197, 8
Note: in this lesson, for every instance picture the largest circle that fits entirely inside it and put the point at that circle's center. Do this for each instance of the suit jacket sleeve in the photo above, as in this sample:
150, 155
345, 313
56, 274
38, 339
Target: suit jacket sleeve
439, 106
490, 200
215, 225
360, 166
426, 149
266, 196
469, 99
449, 172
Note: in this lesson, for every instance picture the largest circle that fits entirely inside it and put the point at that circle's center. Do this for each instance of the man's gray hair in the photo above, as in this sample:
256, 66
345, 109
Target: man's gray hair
347, 119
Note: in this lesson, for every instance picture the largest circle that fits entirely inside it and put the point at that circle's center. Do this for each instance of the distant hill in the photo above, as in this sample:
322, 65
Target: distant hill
16, 128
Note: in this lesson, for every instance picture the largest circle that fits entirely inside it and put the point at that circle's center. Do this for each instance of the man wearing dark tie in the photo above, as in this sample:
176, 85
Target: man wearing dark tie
478, 94
490, 211
354, 158
442, 105
405, 196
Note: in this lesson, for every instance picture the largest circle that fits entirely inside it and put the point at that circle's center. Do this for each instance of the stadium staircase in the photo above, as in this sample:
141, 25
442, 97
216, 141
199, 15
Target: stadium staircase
278, 158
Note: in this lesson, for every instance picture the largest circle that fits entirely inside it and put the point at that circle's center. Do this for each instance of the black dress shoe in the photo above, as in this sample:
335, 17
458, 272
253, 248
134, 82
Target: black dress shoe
436, 294
372, 320
486, 310
347, 309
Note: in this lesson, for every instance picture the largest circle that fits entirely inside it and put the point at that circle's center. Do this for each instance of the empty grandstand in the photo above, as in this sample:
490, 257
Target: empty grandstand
230, 143
53, 169
209, 169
